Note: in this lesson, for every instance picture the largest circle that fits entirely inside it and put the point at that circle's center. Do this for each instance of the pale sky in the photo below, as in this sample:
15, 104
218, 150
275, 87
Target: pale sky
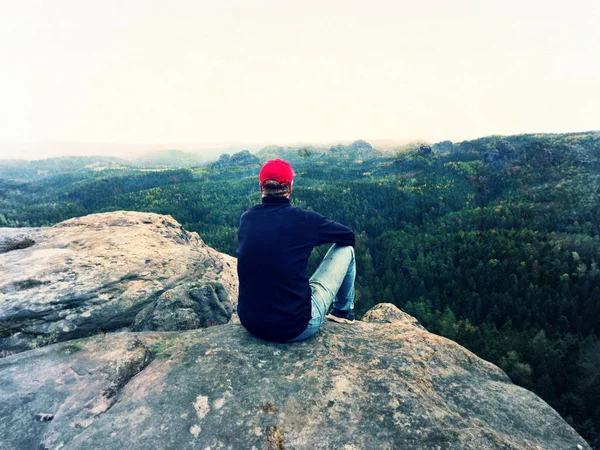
175, 72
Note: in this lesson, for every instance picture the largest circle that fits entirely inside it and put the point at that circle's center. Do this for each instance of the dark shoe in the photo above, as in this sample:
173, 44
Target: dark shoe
341, 316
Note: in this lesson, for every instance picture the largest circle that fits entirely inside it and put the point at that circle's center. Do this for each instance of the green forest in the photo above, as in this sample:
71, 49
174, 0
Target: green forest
493, 242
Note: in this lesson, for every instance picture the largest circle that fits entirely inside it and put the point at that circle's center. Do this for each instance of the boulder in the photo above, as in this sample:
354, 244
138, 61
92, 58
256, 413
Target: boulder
385, 383
197, 306
388, 313
96, 273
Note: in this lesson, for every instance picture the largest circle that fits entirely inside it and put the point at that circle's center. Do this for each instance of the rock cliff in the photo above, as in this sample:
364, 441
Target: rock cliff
105, 272
384, 383
381, 383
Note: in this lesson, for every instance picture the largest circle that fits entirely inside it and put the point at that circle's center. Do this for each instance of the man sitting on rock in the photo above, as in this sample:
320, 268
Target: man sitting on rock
277, 301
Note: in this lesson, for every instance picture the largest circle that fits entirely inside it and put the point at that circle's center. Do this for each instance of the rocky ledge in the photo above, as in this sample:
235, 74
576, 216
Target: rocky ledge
383, 383
106, 272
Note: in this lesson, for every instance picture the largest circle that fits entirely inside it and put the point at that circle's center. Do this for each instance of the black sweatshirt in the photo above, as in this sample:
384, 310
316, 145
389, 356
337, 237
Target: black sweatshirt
275, 240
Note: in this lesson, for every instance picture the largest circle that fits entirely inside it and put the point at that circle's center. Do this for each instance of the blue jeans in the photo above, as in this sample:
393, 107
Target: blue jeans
332, 283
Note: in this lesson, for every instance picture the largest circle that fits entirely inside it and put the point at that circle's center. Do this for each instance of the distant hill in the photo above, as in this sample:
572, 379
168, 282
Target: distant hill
23, 170
357, 150
239, 160
29, 170
170, 158
290, 154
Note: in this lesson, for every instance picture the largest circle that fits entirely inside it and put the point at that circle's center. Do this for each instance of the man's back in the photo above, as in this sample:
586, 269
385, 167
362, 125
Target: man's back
275, 241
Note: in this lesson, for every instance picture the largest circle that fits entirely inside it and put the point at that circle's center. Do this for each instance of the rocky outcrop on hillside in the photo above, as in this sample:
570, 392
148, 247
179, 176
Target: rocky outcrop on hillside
356, 150
383, 383
243, 159
108, 271
425, 149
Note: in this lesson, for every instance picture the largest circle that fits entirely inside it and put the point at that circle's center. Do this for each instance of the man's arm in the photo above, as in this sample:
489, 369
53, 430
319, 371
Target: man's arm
329, 231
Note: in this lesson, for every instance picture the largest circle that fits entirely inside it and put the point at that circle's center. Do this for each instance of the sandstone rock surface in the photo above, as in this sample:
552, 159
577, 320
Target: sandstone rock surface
94, 274
386, 384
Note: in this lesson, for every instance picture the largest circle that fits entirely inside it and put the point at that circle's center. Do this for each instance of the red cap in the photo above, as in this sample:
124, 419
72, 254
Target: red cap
277, 169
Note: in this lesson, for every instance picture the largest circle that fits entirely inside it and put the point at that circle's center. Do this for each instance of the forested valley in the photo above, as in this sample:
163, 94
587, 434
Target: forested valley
493, 243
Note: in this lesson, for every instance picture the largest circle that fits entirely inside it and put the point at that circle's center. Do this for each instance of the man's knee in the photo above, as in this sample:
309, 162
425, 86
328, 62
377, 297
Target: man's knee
349, 250
343, 248
344, 253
